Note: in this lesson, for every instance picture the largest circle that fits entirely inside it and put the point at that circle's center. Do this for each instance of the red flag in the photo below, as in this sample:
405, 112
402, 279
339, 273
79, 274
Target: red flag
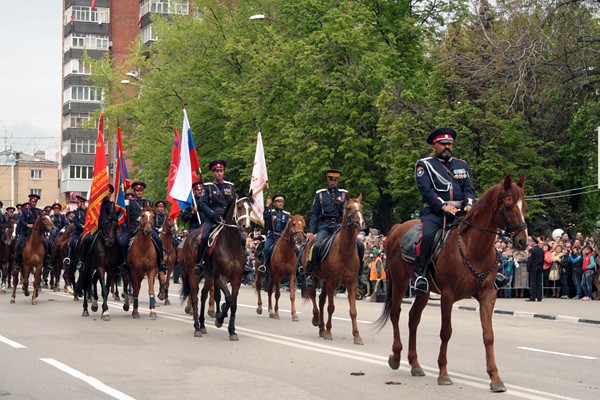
99, 188
93, 4
175, 209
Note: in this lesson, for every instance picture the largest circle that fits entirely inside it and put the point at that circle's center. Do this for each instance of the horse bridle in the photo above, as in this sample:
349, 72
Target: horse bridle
292, 237
350, 220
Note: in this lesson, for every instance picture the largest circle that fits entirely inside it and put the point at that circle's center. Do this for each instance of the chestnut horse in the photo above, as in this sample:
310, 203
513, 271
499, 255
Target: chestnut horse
101, 264
339, 268
33, 253
168, 230
283, 263
466, 266
142, 259
225, 264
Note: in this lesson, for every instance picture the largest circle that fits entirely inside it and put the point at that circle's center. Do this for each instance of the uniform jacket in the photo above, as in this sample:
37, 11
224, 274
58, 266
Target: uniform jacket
134, 212
28, 216
79, 221
191, 218
216, 198
439, 182
59, 221
328, 205
275, 221
159, 220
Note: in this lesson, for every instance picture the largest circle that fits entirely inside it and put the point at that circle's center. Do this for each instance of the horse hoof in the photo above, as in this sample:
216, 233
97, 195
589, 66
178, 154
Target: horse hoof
315, 321
497, 387
234, 338
203, 330
94, 307
211, 314
106, 317
188, 310
418, 371
274, 316
135, 314
126, 307
33, 302
444, 380
153, 314
328, 336
358, 341
167, 302
161, 296
295, 318
12, 301
197, 334
393, 363
75, 298
259, 311
85, 313
218, 324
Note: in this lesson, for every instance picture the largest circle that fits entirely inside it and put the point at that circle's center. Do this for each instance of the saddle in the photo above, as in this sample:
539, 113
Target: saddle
411, 239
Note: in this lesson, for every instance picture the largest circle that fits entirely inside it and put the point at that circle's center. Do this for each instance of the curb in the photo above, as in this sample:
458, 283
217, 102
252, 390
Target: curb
522, 314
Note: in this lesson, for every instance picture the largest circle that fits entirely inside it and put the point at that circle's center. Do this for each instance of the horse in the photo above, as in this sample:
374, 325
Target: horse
466, 266
33, 253
167, 231
340, 267
59, 252
5, 262
225, 263
142, 259
283, 264
103, 259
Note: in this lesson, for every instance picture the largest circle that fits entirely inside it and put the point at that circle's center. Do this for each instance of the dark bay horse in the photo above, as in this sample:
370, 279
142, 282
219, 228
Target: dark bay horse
142, 260
339, 268
7, 241
283, 264
60, 249
33, 253
102, 262
225, 264
168, 230
466, 266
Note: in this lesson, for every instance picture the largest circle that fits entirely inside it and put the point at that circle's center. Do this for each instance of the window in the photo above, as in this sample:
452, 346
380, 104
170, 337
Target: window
147, 34
83, 146
83, 93
76, 120
86, 14
80, 172
76, 66
36, 174
86, 41
164, 7
36, 191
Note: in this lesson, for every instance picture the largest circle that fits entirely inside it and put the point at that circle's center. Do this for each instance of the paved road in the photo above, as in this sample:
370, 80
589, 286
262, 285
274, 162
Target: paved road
49, 351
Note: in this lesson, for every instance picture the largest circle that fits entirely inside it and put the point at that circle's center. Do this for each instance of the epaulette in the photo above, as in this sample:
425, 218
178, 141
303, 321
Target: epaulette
230, 183
425, 159
321, 190
458, 159
285, 212
343, 190
208, 183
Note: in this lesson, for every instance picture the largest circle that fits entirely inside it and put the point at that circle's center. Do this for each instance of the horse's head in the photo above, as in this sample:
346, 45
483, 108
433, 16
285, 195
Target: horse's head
6, 234
354, 213
297, 225
243, 208
146, 221
110, 228
46, 223
169, 226
511, 211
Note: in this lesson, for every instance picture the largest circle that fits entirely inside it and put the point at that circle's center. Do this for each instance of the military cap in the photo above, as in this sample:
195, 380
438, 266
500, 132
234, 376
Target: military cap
80, 198
197, 184
333, 172
160, 203
57, 205
10, 208
442, 135
214, 164
111, 188
68, 213
129, 195
1, 204
47, 208
138, 185
278, 196
34, 196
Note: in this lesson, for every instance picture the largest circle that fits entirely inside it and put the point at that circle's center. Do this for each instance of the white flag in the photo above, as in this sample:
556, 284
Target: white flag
259, 182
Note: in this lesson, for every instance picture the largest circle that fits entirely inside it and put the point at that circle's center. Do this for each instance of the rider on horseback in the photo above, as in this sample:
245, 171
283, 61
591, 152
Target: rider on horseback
78, 225
275, 221
190, 214
445, 187
325, 218
28, 216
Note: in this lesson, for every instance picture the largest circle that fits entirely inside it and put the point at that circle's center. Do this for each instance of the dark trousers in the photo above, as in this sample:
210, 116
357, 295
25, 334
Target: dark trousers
429, 227
536, 282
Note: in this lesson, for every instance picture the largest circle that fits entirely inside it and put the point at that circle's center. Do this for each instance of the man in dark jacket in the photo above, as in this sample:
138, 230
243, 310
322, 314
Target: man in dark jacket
535, 267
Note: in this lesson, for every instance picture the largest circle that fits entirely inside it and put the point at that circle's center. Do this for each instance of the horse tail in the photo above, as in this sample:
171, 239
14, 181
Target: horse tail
387, 306
185, 288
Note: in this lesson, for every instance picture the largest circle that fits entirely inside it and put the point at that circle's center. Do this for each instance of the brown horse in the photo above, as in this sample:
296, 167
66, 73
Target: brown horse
466, 266
142, 259
225, 264
169, 228
60, 249
340, 268
33, 253
283, 264
6, 240
208, 284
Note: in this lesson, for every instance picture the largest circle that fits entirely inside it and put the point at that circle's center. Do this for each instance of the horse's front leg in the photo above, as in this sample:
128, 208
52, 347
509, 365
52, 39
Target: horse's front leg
330, 310
292, 280
352, 291
258, 284
15, 274
151, 276
206, 289
211, 302
487, 302
414, 318
273, 287
37, 279
104, 279
235, 288
319, 313
445, 335
221, 315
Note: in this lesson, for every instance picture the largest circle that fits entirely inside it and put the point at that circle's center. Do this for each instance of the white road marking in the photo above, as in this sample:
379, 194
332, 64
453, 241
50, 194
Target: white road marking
95, 383
360, 321
557, 353
11, 343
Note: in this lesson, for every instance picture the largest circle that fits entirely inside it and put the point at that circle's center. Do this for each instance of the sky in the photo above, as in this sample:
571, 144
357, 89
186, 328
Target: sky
30, 75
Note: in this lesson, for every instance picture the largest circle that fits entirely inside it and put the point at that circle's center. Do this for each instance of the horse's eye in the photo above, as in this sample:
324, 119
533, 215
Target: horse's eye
508, 208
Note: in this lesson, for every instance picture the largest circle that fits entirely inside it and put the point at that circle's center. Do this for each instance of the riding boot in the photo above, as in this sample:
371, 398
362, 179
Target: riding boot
80, 264
421, 284
308, 274
501, 280
67, 259
199, 267
48, 263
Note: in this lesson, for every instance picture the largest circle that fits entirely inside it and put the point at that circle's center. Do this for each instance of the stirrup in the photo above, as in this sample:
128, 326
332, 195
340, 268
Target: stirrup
80, 266
67, 261
501, 280
262, 269
309, 282
301, 270
199, 269
421, 285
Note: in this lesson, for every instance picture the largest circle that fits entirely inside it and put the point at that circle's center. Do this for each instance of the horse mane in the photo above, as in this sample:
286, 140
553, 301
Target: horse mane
488, 201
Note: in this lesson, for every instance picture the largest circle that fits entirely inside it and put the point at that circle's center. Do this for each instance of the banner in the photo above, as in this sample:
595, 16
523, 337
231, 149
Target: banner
186, 167
99, 189
175, 153
259, 181
122, 182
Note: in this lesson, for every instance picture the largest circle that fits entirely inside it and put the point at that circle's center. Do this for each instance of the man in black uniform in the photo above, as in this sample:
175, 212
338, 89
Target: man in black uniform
275, 221
59, 221
325, 218
159, 215
78, 225
190, 214
28, 216
215, 200
3, 219
129, 228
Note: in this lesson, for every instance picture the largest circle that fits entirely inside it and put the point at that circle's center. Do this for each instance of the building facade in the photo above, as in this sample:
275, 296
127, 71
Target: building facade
109, 28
